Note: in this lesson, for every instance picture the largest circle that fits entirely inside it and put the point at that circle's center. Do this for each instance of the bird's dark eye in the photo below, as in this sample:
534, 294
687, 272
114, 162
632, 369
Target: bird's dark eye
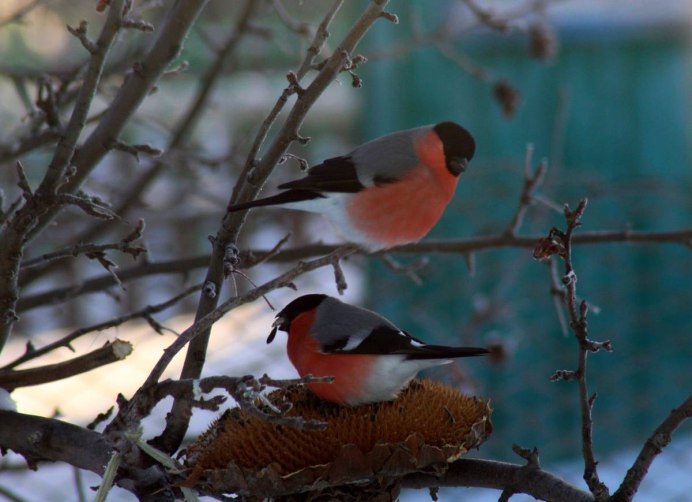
457, 165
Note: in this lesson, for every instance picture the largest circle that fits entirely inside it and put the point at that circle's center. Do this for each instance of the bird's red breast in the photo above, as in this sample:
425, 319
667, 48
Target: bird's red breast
405, 210
350, 371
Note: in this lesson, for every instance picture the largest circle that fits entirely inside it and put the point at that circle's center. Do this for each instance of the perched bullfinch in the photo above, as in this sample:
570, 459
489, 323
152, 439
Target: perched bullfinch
387, 192
370, 358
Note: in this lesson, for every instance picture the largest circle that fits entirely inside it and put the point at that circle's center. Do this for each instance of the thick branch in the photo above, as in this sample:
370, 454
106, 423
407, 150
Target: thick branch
499, 475
38, 438
111, 352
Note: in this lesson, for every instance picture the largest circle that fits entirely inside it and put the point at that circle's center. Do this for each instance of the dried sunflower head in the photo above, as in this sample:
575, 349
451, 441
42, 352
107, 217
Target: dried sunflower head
428, 423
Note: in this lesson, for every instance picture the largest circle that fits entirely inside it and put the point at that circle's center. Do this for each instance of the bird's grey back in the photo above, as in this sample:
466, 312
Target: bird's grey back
336, 322
389, 156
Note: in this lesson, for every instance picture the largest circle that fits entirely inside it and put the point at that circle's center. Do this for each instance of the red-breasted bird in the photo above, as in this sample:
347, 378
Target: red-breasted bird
370, 358
387, 192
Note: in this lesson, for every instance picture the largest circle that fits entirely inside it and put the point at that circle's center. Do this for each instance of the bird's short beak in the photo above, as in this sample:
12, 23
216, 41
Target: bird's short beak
458, 165
276, 325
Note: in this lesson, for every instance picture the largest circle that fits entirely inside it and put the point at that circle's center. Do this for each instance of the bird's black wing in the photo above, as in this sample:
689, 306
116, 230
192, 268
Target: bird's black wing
388, 340
337, 174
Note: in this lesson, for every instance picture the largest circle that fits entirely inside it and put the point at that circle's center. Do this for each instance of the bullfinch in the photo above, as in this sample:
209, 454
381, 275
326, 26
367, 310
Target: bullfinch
370, 358
387, 192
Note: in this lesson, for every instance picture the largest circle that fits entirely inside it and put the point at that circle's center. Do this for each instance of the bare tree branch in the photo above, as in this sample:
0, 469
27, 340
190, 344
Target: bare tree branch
103, 282
129, 415
654, 445
15, 235
318, 42
498, 475
124, 246
135, 88
251, 258
58, 114
247, 391
179, 133
38, 439
189, 119
111, 352
560, 243
531, 183
146, 312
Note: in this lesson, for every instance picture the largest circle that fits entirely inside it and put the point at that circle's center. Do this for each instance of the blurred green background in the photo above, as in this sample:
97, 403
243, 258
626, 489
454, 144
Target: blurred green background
611, 114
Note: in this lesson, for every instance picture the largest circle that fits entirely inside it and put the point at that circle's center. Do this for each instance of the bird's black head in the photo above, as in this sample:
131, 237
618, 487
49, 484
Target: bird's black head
293, 310
459, 146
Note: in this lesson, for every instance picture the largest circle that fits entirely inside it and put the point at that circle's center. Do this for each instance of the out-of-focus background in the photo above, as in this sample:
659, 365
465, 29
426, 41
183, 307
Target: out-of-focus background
606, 99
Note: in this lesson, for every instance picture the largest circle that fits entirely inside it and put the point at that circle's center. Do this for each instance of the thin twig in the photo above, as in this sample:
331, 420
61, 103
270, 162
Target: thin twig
298, 27
410, 270
654, 445
195, 109
558, 295
560, 243
319, 39
532, 181
488, 16
444, 36
136, 87
339, 277
84, 249
149, 310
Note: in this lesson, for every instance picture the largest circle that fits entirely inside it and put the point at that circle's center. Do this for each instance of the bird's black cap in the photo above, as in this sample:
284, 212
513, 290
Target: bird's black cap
459, 146
293, 310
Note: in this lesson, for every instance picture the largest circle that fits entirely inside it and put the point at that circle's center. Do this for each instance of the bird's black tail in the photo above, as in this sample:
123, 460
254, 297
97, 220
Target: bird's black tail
280, 198
443, 352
